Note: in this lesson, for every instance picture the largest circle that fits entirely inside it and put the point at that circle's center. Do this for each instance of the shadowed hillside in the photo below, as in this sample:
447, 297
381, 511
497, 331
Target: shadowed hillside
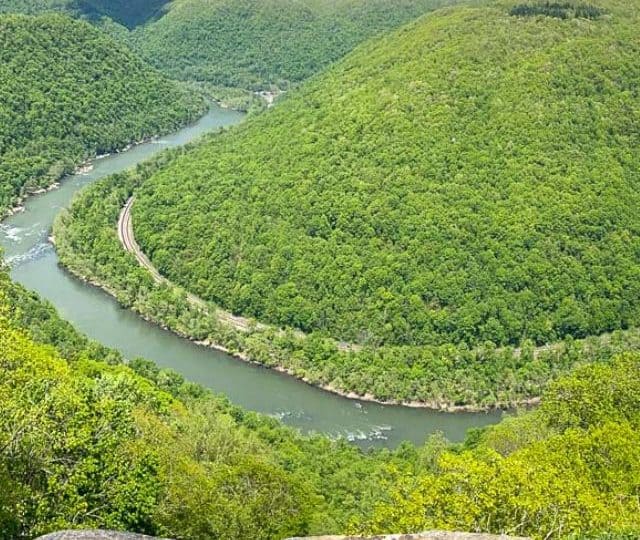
129, 13
258, 43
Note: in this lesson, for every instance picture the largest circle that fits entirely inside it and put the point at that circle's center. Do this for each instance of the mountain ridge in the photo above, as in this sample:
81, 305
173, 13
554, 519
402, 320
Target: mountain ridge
374, 170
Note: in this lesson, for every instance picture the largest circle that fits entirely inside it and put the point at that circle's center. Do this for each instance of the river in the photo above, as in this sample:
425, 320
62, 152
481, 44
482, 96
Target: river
33, 262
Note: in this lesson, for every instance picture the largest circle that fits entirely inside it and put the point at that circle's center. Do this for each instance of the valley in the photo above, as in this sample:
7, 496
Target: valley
288, 268
65, 99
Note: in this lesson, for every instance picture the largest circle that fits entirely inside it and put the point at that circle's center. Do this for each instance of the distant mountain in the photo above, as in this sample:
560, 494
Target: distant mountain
129, 13
68, 92
258, 43
248, 44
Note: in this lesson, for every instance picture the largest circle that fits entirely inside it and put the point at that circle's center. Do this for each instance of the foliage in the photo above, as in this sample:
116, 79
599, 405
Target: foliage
77, 451
43, 324
230, 98
147, 451
578, 478
130, 13
248, 44
438, 186
35, 7
86, 441
81, 429
513, 229
560, 10
88, 444
441, 376
69, 92
257, 44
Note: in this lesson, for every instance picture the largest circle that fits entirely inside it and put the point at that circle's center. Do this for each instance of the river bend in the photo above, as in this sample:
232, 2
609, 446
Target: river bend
33, 262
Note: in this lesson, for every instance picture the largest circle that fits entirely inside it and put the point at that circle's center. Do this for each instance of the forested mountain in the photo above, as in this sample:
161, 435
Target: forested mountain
34, 7
68, 92
472, 177
129, 13
258, 43
248, 44
87, 442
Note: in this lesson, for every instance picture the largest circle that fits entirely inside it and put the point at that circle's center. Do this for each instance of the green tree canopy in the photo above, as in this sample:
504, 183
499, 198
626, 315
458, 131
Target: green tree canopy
68, 92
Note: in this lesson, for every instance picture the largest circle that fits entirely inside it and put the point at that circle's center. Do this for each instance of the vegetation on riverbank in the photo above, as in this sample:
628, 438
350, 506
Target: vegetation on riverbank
579, 453
443, 377
70, 92
88, 442
333, 218
237, 99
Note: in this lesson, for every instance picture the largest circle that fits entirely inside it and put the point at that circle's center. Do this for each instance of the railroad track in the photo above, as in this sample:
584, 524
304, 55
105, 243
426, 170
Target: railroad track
128, 241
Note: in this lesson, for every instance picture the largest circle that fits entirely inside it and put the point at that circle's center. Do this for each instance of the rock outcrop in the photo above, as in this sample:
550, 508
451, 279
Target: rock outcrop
96, 535
428, 535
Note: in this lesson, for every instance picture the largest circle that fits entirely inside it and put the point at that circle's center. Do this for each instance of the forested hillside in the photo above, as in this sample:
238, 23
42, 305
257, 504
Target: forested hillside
87, 442
130, 13
34, 7
247, 44
577, 454
448, 199
258, 43
438, 376
471, 178
68, 92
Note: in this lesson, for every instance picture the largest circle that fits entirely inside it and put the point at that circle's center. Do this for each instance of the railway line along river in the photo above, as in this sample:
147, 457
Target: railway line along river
33, 262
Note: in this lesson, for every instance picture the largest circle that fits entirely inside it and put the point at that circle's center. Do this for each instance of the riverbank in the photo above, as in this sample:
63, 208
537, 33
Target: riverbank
127, 239
35, 265
444, 378
243, 357
83, 167
86, 164
598, 349
18, 206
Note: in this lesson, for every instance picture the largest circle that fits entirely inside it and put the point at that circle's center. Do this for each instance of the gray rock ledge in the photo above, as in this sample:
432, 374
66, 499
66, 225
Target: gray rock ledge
427, 535
96, 535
